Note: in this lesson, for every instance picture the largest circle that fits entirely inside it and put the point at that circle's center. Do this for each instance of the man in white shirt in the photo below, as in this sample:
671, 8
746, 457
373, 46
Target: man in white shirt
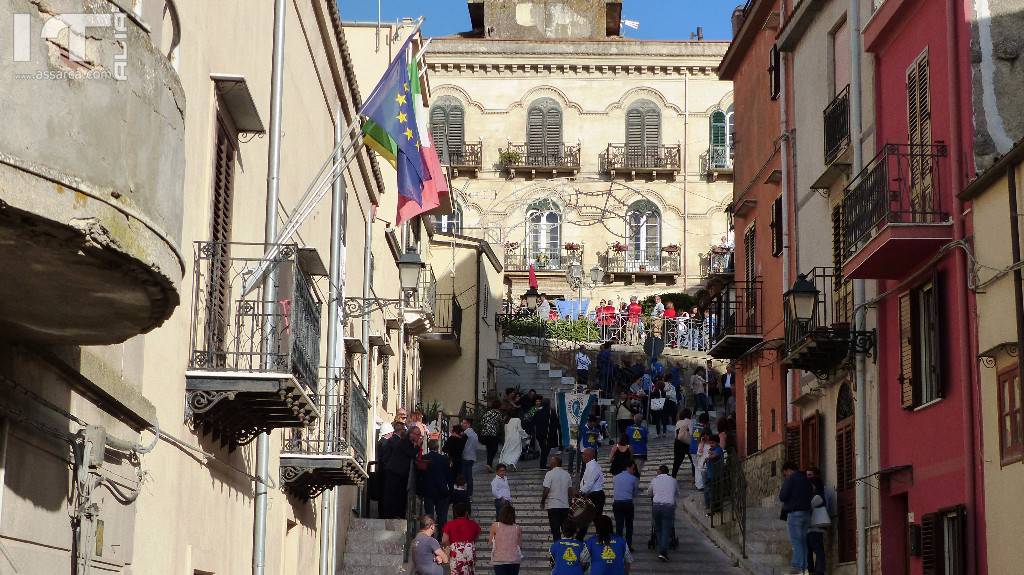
663, 490
499, 489
556, 495
469, 454
700, 390
582, 367
592, 487
658, 316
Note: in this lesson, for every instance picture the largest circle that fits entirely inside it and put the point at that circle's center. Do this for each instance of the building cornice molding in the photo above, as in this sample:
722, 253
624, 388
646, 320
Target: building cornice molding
573, 69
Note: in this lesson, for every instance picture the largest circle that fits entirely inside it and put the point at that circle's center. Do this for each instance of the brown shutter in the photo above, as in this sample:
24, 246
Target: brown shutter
793, 442
846, 494
810, 442
752, 423
219, 307
838, 250
908, 385
919, 133
931, 544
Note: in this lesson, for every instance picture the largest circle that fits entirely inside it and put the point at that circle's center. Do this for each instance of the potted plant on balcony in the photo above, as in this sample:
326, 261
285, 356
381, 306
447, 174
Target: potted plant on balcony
618, 247
509, 157
511, 247
542, 259
671, 249
572, 247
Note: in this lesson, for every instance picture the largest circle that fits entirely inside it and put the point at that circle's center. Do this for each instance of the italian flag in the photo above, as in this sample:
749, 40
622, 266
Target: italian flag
435, 190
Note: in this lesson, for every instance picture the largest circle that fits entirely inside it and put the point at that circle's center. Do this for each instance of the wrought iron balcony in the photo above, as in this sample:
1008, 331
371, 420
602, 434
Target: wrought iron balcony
254, 357
717, 262
323, 455
823, 342
894, 212
623, 158
643, 262
837, 125
445, 332
549, 260
468, 157
524, 157
717, 160
735, 320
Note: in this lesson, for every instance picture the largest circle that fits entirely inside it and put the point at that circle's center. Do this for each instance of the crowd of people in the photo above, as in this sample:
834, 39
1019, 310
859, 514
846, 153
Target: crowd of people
518, 427
628, 323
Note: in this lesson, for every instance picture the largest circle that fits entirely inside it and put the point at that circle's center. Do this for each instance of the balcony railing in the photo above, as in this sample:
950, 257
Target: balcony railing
735, 319
901, 185
447, 315
426, 295
831, 315
717, 261
684, 331
543, 260
355, 413
627, 158
837, 125
469, 156
643, 262
718, 158
525, 156
233, 331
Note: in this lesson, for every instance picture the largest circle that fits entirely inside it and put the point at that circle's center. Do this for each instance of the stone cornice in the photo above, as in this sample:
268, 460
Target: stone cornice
568, 70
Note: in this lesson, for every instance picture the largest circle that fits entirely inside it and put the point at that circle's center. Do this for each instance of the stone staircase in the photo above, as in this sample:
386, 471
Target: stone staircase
522, 368
374, 545
696, 554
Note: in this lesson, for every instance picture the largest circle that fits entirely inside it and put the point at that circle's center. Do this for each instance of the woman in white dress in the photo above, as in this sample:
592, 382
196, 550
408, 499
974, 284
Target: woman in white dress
512, 450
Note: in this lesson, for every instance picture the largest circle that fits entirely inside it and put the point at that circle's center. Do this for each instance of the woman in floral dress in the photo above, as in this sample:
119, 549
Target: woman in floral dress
460, 535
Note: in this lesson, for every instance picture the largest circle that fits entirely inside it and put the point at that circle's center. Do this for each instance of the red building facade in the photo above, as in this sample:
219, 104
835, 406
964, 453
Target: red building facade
901, 218
747, 308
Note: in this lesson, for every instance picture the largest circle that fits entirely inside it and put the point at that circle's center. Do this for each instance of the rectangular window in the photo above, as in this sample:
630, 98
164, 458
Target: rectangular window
776, 227
793, 444
920, 358
839, 44
942, 542
1011, 420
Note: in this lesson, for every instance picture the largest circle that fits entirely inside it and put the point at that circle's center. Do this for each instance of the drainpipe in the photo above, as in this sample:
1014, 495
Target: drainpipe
364, 369
259, 530
476, 343
328, 521
784, 143
968, 374
686, 140
860, 414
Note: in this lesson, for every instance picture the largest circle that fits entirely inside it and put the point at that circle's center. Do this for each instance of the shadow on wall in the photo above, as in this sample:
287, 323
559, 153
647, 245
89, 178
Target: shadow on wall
997, 48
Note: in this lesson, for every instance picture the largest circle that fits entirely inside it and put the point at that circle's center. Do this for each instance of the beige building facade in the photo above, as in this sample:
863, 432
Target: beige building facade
998, 299
140, 363
572, 145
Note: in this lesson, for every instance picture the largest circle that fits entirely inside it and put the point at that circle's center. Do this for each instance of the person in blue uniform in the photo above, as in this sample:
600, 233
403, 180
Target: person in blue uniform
591, 436
609, 554
637, 434
568, 556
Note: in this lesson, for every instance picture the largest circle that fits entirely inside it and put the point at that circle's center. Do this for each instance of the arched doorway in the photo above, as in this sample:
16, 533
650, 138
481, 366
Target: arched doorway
643, 232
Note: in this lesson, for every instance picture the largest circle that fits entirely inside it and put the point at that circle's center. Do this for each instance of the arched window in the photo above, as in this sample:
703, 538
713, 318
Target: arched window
643, 124
450, 223
544, 132
643, 232
448, 129
544, 234
719, 153
170, 33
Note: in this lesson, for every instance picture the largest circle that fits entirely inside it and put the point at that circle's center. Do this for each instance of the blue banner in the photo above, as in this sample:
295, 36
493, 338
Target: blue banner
572, 408
572, 308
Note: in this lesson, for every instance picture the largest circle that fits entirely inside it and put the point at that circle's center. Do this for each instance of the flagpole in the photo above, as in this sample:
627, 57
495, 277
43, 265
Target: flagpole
419, 24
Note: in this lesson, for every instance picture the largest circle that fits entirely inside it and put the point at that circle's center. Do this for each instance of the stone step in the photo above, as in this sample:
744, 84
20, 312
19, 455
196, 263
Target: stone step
506, 345
518, 352
555, 374
543, 366
531, 359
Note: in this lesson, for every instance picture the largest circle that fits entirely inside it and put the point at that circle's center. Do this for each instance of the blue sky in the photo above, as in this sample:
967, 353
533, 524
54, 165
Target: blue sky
659, 19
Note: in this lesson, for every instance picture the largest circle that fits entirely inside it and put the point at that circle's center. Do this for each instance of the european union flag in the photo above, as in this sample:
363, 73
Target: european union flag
390, 127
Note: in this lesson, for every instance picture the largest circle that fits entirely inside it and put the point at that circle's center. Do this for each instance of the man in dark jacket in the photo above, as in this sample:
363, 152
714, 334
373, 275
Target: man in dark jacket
401, 453
796, 494
547, 427
437, 482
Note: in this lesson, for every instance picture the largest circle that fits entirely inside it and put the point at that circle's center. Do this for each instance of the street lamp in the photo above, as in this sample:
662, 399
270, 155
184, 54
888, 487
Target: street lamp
409, 267
801, 302
532, 297
596, 275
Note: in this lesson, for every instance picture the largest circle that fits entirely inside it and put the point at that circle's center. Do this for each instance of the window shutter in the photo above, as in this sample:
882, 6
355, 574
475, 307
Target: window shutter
535, 133
908, 385
652, 128
919, 131
753, 433
553, 132
718, 129
634, 128
775, 84
793, 444
846, 494
749, 257
456, 131
439, 132
810, 442
776, 227
838, 250
931, 544
219, 309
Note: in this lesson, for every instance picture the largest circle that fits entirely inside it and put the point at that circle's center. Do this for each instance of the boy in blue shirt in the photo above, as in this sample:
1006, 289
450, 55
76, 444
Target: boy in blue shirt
568, 556
637, 434
591, 434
